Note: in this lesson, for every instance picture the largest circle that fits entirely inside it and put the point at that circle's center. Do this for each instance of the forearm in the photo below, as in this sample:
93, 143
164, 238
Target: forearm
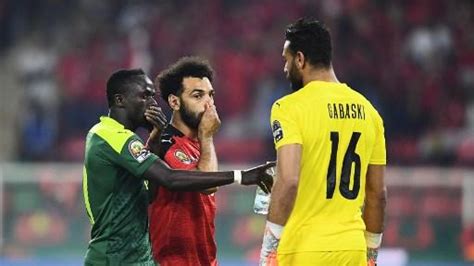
282, 201
197, 181
286, 184
374, 211
281, 205
208, 158
153, 142
375, 199
186, 180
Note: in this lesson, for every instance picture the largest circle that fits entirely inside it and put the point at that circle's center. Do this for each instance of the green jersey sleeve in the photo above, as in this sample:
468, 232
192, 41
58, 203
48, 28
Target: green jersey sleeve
135, 157
127, 149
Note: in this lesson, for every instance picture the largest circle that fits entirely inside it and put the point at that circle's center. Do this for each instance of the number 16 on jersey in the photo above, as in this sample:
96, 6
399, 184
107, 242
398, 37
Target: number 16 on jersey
350, 158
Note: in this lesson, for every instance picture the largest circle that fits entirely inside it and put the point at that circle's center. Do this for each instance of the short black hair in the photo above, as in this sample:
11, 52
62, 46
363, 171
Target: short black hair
170, 80
312, 38
121, 81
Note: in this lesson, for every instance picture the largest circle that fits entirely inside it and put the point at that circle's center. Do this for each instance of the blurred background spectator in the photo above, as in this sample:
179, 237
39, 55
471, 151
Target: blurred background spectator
413, 59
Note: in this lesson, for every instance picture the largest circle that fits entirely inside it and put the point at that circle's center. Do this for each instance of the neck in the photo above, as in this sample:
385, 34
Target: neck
320, 74
120, 116
179, 124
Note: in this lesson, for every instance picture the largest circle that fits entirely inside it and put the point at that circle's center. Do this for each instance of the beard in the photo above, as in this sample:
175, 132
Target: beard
191, 119
296, 80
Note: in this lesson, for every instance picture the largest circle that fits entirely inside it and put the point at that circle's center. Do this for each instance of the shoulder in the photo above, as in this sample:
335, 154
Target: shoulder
168, 140
287, 100
115, 138
286, 105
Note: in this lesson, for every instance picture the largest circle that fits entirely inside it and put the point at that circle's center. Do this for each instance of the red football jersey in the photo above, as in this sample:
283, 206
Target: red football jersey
182, 223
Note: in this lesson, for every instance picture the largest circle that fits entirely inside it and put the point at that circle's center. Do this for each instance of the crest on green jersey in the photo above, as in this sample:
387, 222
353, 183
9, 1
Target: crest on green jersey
138, 151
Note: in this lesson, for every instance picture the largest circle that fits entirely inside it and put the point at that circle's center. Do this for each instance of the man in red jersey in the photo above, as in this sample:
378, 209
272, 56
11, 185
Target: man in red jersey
182, 223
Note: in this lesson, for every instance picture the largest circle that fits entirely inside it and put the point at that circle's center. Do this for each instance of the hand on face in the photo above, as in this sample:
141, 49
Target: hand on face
210, 122
155, 116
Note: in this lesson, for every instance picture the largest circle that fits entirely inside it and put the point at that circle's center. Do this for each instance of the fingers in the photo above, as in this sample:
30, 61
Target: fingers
154, 115
154, 119
155, 110
269, 182
210, 121
210, 110
263, 187
266, 183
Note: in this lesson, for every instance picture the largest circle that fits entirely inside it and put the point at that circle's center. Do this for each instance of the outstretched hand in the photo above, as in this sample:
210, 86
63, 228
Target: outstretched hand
261, 175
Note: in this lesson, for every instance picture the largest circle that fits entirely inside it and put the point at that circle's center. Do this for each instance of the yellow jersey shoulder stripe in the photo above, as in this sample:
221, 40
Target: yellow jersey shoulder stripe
115, 137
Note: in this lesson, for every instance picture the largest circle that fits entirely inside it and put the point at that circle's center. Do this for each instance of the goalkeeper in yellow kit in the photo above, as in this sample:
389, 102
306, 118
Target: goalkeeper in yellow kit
328, 202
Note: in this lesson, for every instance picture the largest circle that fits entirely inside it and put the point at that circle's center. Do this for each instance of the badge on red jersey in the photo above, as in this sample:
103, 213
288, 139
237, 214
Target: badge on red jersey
182, 157
138, 151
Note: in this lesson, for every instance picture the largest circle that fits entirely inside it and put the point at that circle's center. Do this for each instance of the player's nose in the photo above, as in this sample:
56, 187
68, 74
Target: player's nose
209, 100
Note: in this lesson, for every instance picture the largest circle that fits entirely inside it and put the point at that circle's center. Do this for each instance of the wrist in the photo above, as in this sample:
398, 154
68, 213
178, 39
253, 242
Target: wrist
238, 176
154, 134
373, 240
275, 229
204, 139
271, 240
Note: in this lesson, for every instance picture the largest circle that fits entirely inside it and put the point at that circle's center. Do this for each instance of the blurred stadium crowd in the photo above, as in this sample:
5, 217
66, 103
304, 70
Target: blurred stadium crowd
413, 59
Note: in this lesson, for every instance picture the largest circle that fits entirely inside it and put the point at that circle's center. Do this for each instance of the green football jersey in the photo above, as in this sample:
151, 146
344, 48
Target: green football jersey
115, 195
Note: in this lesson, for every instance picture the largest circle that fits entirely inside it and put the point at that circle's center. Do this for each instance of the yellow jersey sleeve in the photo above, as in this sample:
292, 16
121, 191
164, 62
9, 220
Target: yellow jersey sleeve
379, 156
284, 124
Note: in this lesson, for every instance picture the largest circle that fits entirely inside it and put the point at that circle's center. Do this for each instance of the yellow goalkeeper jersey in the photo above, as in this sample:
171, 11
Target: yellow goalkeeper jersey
341, 134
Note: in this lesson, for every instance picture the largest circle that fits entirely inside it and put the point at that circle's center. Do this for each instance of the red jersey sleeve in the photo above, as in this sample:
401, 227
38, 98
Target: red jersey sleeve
178, 159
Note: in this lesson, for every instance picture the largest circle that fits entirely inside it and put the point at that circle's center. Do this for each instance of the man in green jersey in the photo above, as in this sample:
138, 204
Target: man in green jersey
117, 165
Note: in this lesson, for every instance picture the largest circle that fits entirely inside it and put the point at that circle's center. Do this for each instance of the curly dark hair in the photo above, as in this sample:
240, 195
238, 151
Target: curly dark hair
121, 81
170, 80
312, 38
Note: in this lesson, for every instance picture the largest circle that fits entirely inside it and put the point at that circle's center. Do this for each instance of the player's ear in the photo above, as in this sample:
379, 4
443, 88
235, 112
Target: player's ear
300, 60
119, 100
174, 102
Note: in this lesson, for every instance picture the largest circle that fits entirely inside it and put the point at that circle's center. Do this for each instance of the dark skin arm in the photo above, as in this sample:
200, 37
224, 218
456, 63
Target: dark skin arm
183, 180
160, 174
157, 121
